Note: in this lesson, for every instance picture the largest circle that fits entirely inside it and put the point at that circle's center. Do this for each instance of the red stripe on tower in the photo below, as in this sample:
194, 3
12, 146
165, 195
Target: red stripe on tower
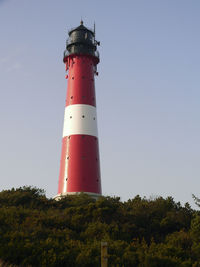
80, 166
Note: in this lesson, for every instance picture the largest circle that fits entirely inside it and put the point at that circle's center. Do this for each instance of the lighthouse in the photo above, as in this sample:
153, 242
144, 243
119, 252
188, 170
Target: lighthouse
80, 163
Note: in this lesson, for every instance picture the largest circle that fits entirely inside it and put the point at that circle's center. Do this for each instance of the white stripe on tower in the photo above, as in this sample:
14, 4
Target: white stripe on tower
80, 119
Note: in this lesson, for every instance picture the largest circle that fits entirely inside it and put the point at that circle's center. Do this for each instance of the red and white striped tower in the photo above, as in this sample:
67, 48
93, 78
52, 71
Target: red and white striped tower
80, 167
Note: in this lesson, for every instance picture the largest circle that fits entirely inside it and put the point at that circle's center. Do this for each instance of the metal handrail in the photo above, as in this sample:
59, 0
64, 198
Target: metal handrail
68, 42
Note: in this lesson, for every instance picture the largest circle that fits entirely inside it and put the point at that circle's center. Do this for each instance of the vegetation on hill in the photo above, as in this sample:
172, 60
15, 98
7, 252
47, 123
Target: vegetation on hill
37, 231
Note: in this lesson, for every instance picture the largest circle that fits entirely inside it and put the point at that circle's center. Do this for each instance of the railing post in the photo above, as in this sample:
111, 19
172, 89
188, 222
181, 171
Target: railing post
104, 254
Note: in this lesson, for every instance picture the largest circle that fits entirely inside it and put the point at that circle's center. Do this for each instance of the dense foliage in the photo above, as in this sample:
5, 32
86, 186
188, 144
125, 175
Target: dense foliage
36, 231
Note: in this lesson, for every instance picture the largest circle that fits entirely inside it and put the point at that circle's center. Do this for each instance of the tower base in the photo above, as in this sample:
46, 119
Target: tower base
93, 195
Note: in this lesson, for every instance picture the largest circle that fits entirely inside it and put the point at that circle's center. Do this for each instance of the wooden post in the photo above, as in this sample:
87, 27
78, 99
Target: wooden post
104, 254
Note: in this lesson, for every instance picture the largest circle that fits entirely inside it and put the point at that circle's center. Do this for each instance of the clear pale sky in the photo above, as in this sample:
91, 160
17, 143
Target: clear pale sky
148, 93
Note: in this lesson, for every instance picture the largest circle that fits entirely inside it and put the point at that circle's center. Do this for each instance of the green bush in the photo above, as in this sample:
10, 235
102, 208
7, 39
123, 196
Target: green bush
40, 232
